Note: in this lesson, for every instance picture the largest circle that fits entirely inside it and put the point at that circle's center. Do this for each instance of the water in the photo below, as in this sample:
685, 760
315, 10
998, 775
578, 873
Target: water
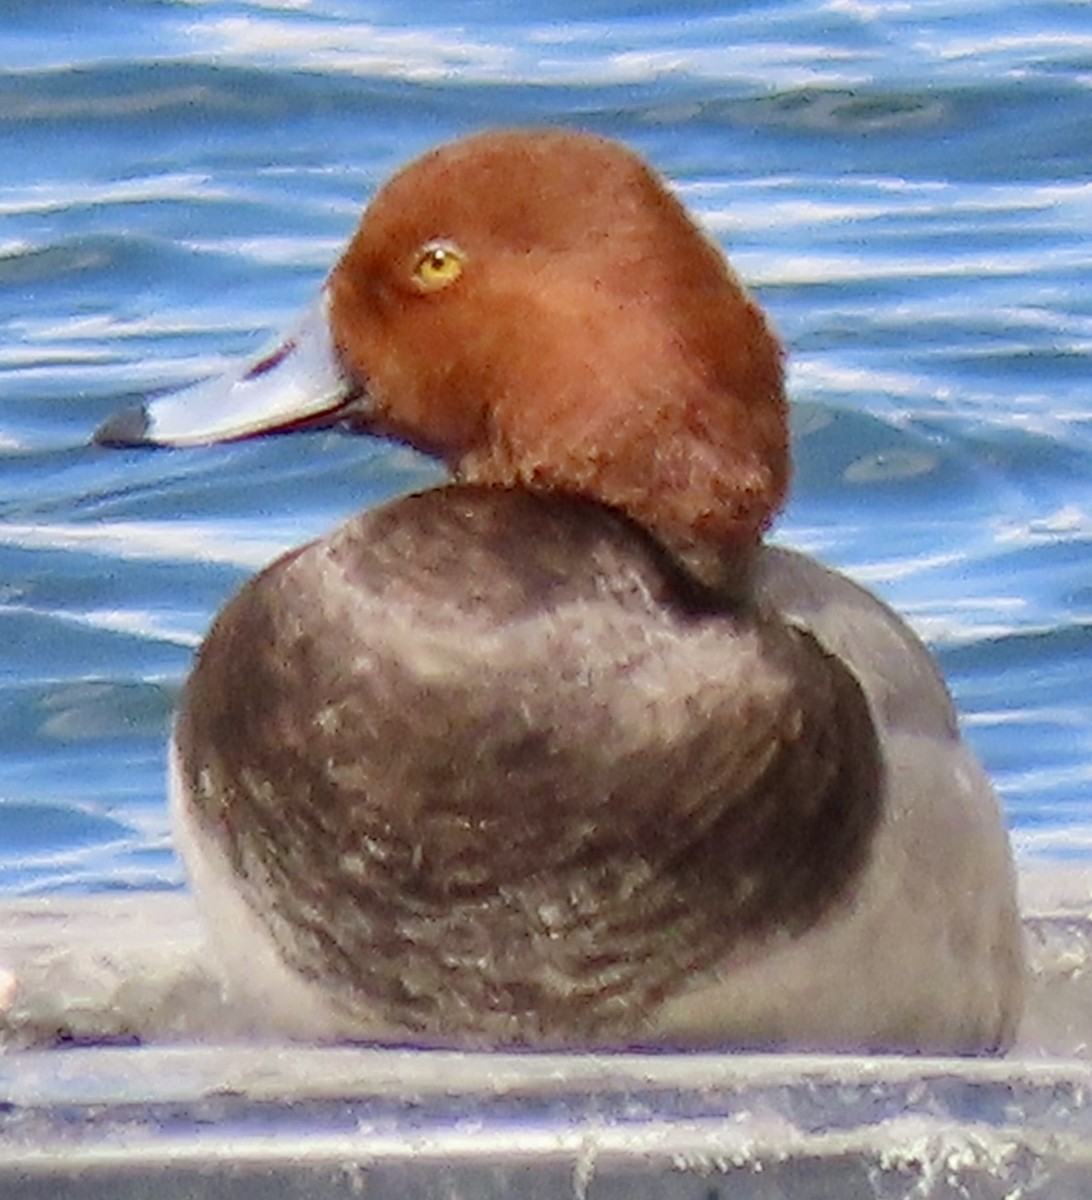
905, 186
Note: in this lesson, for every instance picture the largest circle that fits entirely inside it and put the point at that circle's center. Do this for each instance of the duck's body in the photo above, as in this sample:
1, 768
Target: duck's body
562, 755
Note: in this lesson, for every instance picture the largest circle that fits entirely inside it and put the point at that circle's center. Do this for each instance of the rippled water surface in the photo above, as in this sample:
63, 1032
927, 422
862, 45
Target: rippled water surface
906, 186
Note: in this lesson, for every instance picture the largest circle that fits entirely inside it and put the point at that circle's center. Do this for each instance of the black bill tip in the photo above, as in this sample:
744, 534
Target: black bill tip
126, 428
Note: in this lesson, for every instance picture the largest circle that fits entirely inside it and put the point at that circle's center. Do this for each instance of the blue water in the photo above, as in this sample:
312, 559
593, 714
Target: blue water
906, 186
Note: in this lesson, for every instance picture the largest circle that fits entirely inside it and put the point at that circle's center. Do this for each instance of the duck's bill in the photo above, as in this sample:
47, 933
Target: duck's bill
297, 384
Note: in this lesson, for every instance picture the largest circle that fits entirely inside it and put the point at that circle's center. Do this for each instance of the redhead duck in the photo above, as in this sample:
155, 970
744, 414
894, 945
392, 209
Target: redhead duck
561, 754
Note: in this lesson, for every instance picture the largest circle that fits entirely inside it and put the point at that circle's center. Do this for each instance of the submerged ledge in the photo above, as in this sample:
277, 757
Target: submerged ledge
124, 1076
129, 968
284, 1122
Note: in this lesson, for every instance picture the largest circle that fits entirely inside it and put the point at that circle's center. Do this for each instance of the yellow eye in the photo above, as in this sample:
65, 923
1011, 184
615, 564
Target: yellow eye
438, 265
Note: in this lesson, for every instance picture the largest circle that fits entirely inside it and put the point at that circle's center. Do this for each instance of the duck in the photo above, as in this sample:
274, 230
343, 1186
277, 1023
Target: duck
564, 754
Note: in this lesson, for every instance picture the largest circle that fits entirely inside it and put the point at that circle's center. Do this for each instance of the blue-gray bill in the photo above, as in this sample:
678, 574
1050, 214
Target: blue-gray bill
299, 383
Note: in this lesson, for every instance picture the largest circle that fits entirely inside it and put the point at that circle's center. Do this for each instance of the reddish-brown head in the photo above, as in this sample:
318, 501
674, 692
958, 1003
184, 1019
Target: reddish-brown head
537, 309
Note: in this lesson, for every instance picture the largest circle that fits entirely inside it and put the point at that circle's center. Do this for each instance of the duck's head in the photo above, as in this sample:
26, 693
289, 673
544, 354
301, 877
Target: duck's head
539, 311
